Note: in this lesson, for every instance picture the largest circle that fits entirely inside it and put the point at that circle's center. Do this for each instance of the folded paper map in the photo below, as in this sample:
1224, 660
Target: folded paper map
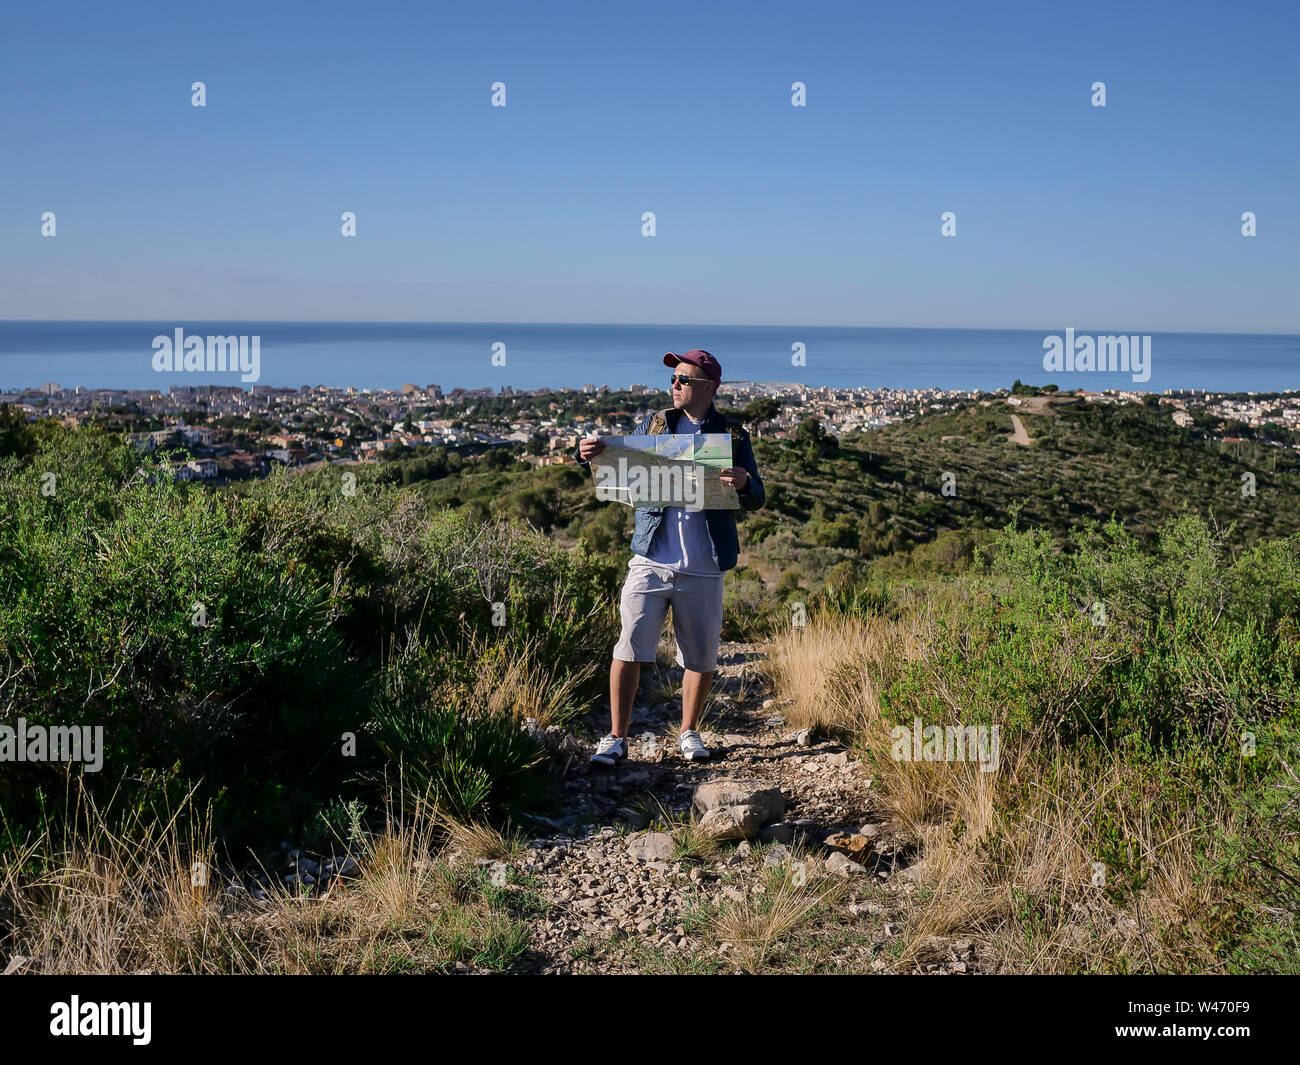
666, 470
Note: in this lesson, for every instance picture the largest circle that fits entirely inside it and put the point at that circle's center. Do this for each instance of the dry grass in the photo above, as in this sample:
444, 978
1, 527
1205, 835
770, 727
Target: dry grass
760, 922
808, 666
695, 844
477, 840
524, 686
1024, 886
74, 901
1021, 884
745, 690
107, 900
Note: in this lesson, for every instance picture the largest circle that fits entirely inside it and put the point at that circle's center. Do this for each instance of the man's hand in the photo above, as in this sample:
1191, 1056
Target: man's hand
589, 448
736, 477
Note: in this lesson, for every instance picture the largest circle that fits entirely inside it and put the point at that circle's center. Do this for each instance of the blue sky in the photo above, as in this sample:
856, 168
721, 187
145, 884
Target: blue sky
1127, 216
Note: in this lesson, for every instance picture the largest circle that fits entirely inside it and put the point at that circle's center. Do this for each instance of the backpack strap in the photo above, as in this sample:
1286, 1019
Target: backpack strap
659, 422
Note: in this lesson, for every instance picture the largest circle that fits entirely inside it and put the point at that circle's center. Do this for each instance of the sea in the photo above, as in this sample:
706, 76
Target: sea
378, 355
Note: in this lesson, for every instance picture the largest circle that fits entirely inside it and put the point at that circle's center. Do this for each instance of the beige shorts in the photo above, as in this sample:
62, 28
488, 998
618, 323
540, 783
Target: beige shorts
697, 616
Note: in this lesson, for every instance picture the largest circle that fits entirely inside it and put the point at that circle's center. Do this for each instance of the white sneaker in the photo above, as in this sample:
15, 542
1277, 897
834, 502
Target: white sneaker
692, 747
610, 750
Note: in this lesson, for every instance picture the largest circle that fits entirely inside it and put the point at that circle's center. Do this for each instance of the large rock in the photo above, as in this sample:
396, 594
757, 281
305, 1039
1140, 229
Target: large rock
730, 822
765, 802
651, 847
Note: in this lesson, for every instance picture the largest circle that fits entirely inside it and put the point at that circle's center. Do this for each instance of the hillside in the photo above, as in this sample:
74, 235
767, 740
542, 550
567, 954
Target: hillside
840, 511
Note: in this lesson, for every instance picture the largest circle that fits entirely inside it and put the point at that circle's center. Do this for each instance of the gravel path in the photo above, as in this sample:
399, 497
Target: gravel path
608, 880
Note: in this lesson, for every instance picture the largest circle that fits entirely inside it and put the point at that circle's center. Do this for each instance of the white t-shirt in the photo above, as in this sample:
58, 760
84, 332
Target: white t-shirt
682, 542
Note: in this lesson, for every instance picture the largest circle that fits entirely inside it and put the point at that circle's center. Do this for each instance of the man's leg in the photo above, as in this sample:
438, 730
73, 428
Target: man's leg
697, 624
695, 688
643, 607
623, 679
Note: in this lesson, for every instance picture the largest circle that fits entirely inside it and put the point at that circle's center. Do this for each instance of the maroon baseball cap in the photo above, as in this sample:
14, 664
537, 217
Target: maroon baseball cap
696, 357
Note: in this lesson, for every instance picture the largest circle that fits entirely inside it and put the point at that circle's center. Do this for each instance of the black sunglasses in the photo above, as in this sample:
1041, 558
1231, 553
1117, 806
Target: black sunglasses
682, 379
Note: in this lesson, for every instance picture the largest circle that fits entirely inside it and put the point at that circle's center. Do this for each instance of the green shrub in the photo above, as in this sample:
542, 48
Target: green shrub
230, 641
1152, 647
465, 759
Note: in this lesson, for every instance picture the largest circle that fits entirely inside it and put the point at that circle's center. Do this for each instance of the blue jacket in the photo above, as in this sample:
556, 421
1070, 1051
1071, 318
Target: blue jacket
721, 523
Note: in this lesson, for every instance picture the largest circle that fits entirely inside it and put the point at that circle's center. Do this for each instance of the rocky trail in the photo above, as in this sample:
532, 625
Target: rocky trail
619, 881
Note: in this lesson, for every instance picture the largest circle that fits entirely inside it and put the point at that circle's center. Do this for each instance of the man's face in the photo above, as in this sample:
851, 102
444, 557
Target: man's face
695, 393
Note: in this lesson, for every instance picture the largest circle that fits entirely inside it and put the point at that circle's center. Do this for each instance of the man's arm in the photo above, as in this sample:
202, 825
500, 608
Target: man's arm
752, 496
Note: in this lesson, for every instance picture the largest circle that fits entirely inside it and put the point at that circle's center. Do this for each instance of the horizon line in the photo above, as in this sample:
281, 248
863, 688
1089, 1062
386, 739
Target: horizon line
622, 325
249, 386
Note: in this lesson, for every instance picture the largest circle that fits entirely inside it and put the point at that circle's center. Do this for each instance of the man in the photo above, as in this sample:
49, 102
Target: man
678, 560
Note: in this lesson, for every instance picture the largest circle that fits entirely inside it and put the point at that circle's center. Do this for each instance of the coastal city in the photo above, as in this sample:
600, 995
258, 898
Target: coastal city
226, 432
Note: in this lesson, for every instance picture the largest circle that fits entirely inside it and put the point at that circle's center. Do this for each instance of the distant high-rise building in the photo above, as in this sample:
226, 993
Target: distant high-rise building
50, 387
